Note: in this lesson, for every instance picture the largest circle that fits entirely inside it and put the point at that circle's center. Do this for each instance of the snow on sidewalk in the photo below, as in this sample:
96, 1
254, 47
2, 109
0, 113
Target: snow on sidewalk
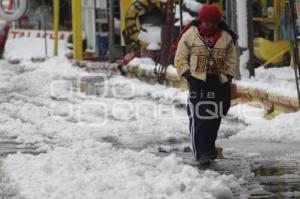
283, 128
91, 169
280, 81
26, 48
39, 106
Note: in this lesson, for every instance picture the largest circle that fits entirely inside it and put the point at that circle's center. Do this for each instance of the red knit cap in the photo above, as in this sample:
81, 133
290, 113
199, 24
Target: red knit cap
210, 13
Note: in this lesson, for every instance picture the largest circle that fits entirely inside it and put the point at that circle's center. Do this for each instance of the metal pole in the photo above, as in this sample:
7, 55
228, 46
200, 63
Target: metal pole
180, 12
77, 29
294, 41
228, 12
56, 13
294, 33
250, 64
45, 29
234, 27
111, 30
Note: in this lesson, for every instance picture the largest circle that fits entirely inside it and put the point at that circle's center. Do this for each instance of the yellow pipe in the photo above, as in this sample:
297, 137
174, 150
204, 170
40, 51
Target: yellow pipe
77, 29
56, 25
280, 54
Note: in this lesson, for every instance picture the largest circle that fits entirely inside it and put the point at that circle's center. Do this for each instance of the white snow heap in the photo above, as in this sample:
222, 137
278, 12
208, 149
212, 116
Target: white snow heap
193, 5
186, 17
153, 46
90, 169
151, 36
284, 128
142, 61
248, 114
37, 79
244, 59
280, 81
31, 47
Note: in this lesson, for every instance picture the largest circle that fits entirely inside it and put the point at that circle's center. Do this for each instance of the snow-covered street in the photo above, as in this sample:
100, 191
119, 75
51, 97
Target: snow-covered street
129, 99
128, 141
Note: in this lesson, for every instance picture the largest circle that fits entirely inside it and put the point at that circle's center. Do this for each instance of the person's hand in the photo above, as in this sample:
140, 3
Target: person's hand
187, 75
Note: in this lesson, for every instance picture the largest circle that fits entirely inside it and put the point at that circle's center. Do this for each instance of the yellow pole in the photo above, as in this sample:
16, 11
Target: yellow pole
56, 25
77, 29
276, 7
124, 7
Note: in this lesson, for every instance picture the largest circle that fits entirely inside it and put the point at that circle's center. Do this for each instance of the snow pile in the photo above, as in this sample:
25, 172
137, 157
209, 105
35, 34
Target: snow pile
148, 64
144, 65
29, 47
142, 62
283, 128
171, 70
279, 81
151, 35
153, 46
186, 17
247, 113
96, 170
244, 58
7, 72
138, 88
193, 5
37, 79
73, 128
43, 108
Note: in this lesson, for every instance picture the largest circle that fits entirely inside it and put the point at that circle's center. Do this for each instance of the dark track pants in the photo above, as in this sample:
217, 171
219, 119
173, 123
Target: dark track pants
208, 101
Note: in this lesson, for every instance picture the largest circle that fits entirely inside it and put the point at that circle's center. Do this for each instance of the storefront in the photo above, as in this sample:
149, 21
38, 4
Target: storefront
269, 19
39, 15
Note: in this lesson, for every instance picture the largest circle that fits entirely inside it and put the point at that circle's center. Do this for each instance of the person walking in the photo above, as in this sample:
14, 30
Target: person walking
206, 58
